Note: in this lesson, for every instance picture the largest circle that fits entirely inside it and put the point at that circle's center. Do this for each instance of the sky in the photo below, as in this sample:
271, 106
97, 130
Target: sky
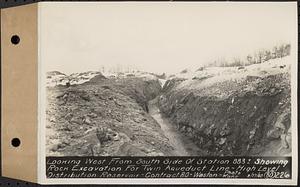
158, 37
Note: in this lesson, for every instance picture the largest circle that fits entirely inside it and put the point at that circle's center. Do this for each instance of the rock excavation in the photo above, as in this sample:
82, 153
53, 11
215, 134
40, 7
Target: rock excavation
222, 111
242, 114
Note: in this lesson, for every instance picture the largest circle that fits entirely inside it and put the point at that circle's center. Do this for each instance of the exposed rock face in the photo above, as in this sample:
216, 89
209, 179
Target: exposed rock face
248, 116
141, 90
104, 117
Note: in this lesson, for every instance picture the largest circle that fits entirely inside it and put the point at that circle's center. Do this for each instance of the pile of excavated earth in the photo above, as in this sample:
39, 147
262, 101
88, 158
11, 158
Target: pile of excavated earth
104, 117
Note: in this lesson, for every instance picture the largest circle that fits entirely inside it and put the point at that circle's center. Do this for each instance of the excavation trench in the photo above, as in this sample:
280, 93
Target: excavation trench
183, 145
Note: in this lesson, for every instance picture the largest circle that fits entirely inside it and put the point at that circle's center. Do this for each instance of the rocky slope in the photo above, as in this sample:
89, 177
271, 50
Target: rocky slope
104, 117
233, 111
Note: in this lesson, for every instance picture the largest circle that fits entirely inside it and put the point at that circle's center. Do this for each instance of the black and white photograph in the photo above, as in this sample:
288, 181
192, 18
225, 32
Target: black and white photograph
168, 79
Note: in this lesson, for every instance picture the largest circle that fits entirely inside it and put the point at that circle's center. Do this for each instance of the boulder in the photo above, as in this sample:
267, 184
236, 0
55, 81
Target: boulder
92, 115
52, 119
87, 120
274, 133
222, 141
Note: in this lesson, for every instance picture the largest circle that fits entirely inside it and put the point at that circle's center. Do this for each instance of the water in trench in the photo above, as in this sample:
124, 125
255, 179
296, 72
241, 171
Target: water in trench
183, 145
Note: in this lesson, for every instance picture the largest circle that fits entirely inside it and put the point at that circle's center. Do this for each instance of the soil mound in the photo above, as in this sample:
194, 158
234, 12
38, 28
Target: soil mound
104, 117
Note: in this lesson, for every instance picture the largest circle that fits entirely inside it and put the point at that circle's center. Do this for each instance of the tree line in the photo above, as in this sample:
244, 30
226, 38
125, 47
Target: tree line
260, 56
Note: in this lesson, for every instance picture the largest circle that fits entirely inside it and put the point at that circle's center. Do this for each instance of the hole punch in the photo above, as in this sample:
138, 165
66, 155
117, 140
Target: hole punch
15, 142
15, 39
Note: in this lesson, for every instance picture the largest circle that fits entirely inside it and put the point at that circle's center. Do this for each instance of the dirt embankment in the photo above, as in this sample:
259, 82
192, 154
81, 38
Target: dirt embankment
250, 116
104, 117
